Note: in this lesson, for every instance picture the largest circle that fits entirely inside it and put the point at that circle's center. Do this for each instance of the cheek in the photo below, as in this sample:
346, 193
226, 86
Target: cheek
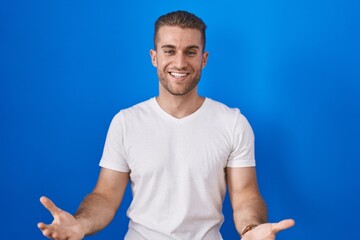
163, 65
199, 65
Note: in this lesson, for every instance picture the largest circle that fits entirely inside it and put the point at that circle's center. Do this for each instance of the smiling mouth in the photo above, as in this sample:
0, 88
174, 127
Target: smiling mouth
178, 75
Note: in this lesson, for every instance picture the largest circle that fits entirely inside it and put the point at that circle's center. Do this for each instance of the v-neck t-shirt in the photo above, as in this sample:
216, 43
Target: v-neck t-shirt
177, 167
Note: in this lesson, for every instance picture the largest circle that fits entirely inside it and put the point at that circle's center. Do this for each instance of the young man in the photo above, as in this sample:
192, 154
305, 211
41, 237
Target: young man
179, 151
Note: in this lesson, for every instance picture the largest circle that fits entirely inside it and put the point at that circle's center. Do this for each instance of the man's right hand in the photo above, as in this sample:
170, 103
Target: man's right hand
64, 225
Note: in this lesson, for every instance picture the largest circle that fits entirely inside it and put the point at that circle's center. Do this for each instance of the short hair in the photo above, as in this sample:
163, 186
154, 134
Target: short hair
181, 19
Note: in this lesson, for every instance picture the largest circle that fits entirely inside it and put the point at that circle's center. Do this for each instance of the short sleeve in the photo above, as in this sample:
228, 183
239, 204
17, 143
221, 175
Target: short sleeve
243, 152
113, 156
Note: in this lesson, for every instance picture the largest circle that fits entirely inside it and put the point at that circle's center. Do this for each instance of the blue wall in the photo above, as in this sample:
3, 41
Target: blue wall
292, 67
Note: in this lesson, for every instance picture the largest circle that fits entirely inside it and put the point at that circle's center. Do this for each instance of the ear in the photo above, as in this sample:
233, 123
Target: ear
204, 59
153, 57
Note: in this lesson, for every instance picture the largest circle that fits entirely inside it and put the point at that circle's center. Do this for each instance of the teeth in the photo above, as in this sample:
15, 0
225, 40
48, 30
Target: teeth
178, 75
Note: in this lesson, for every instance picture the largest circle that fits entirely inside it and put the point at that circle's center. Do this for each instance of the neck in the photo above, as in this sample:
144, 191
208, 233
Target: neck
180, 106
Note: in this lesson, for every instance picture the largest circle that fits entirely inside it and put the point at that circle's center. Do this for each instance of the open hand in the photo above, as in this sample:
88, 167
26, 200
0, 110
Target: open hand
64, 225
267, 231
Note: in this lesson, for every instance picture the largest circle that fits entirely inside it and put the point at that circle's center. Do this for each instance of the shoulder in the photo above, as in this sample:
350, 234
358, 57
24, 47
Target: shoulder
136, 110
223, 112
220, 108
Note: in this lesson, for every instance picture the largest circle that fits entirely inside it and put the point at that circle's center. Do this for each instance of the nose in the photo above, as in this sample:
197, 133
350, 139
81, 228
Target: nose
180, 61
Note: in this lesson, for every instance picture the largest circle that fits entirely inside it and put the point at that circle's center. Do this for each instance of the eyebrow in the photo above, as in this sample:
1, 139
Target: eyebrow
188, 47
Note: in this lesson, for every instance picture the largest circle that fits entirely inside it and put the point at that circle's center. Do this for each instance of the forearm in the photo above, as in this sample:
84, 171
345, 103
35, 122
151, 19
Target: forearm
249, 211
95, 212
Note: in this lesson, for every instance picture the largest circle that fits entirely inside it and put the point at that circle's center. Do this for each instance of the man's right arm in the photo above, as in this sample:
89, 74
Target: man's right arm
99, 207
95, 212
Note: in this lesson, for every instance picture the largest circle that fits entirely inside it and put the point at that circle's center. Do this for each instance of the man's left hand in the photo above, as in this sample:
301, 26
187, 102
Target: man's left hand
267, 231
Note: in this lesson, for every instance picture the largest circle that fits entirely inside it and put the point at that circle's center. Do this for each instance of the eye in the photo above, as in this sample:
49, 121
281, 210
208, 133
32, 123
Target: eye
169, 52
191, 53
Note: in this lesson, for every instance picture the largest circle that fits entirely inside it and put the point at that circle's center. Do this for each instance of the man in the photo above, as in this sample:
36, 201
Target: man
179, 151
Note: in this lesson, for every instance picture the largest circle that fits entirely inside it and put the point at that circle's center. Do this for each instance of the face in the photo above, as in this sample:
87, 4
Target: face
179, 59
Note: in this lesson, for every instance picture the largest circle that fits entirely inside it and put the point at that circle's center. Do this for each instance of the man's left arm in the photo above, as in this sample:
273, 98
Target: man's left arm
249, 208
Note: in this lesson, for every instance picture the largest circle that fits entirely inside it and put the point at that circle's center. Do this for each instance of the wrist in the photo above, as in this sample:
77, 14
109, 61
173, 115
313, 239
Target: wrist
83, 225
248, 228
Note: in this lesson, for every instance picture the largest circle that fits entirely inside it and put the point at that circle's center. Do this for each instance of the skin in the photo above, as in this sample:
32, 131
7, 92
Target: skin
95, 212
179, 58
249, 207
179, 51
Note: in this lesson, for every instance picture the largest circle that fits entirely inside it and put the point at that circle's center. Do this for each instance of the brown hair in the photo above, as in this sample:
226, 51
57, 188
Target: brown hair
181, 19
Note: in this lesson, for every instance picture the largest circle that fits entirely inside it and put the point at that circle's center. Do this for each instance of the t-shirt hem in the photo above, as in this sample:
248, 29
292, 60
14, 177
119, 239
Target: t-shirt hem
241, 163
115, 168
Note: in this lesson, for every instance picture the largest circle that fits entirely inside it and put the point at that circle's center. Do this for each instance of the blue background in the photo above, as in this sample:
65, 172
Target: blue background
292, 67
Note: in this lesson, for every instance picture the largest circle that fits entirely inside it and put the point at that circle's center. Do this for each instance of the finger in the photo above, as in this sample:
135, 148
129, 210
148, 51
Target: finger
47, 227
47, 233
51, 235
49, 205
282, 225
47, 230
41, 226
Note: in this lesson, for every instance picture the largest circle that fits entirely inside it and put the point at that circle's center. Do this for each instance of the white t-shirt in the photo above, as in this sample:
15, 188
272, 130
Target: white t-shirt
177, 167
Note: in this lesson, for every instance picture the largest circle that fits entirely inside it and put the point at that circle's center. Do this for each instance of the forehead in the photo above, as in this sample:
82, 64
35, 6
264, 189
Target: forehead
178, 37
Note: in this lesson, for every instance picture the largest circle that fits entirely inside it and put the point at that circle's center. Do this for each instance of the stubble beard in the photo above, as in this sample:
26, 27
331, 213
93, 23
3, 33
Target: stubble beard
178, 90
